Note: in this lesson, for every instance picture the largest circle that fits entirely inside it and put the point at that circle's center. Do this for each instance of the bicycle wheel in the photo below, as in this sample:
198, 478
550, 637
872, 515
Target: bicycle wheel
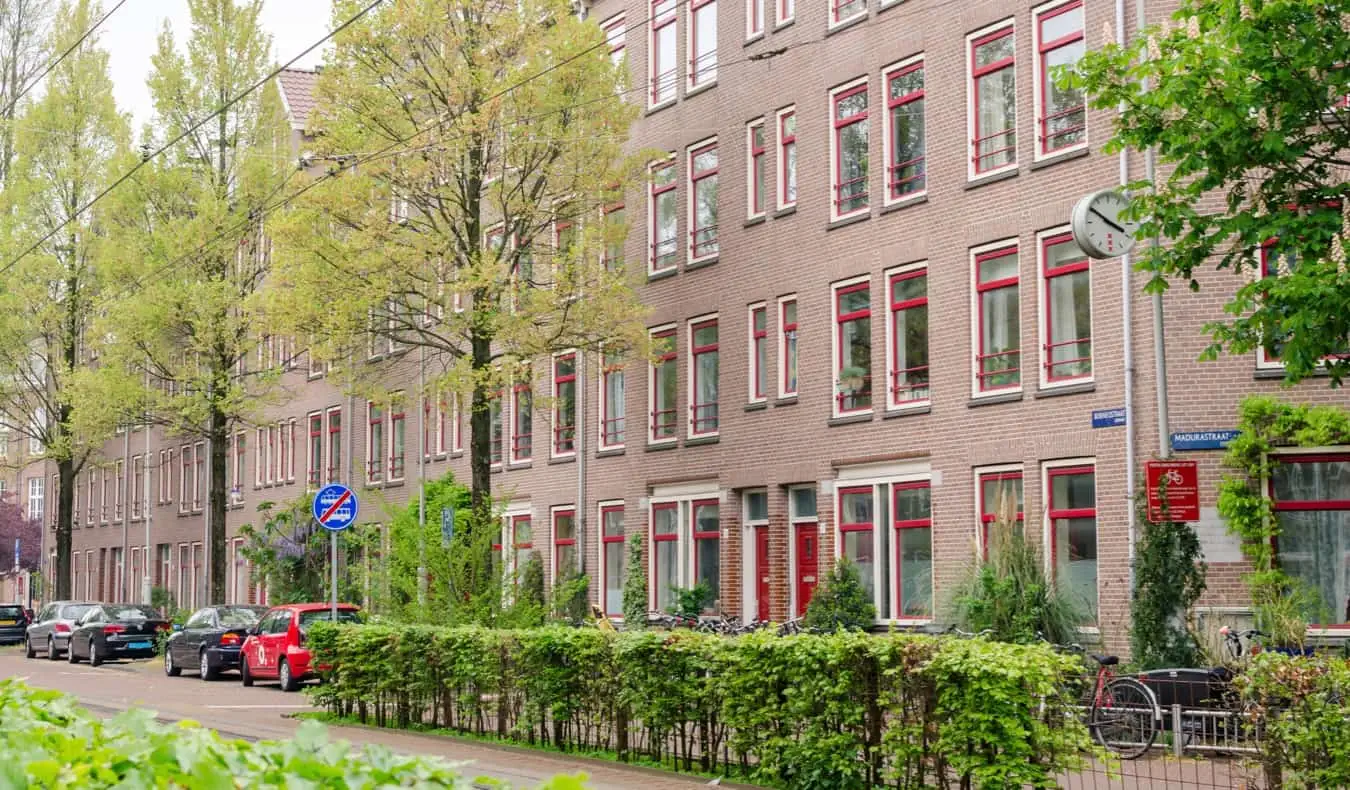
1124, 718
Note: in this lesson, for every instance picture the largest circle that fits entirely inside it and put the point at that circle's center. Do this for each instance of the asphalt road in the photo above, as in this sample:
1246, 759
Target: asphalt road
265, 712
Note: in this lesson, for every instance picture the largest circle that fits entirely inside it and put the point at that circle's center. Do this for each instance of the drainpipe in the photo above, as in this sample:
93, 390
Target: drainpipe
1159, 345
421, 476
1127, 336
146, 585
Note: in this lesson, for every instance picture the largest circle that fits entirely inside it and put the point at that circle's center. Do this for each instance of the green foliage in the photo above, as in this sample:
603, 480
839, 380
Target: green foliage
841, 603
842, 711
293, 554
635, 586
571, 596
690, 602
1169, 578
1010, 595
47, 740
1243, 101
1284, 606
1299, 704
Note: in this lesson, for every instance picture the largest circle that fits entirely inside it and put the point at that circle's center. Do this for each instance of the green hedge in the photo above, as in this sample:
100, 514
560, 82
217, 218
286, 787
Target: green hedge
807, 711
47, 741
1298, 706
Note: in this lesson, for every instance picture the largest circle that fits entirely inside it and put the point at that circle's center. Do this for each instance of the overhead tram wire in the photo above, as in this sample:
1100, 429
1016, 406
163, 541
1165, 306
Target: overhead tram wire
59, 58
185, 133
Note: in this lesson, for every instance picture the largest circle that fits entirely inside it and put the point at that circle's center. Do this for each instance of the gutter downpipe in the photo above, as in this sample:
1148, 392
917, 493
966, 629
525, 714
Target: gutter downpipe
1159, 345
1127, 336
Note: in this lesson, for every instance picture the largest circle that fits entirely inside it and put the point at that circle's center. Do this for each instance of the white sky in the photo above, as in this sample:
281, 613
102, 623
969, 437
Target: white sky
129, 37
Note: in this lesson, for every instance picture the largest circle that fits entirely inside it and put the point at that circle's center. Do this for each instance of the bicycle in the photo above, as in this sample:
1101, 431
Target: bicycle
1123, 713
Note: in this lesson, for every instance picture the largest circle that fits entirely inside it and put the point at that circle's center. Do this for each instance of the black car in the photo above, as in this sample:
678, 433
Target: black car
112, 631
14, 620
210, 640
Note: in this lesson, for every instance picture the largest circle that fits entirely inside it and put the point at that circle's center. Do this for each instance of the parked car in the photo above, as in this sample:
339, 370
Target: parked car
210, 640
14, 620
51, 628
275, 647
113, 631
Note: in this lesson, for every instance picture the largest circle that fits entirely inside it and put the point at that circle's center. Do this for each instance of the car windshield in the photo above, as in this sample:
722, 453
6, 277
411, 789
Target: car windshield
11, 612
75, 612
238, 617
324, 615
132, 613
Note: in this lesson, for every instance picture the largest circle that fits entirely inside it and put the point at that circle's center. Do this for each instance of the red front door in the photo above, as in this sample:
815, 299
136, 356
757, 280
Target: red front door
808, 546
762, 573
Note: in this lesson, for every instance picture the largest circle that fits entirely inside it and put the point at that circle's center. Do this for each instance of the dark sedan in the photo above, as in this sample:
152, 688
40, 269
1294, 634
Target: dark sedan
113, 631
14, 620
210, 640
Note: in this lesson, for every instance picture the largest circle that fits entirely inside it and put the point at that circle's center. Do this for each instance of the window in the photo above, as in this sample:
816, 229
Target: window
457, 440
906, 146
913, 550
90, 482
314, 464
1073, 532
703, 377
522, 422
664, 71
334, 444
855, 533
565, 404
397, 441
703, 201
787, 346
759, 341
1061, 116
787, 157
495, 427
612, 400
702, 43
665, 554
120, 466
998, 360
239, 448
1311, 494
754, 18
1067, 311
784, 10
1000, 501
36, 497
564, 542
259, 459
849, 115
663, 385
165, 478
374, 442
184, 481
707, 547
198, 474
615, 228
993, 114
664, 240
137, 485
844, 10
615, 35
853, 341
756, 565
909, 336
612, 556
754, 140
522, 541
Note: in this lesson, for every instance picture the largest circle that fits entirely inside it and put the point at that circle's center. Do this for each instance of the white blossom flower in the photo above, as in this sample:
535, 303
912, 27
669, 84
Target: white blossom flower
1153, 52
1165, 29
1337, 250
1262, 120
1283, 268
1246, 10
1193, 27
1108, 34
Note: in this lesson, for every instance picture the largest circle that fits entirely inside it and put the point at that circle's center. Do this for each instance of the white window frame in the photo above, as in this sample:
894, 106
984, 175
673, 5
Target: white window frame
834, 24
691, 200
691, 86
551, 572
198, 467
554, 411
753, 7
683, 496
652, 77
602, 404
691, 363
784, 12
651, 389
886, 133
780, 346
796, 520
891, 403
753, 363
371, 450
750, 570
973, 273
1039, 79
780, 161
750, 128
972, 108
835, 163
879, 479
1043, 317
835, 346
672, 161
1048, 559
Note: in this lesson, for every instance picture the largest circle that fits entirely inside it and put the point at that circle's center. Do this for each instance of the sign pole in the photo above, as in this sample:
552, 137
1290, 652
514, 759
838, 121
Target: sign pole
335, 509
333, 534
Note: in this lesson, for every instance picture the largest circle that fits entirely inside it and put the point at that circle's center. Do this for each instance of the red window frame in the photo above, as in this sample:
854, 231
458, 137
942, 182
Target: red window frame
787, 9
137, 485
854, 526
1307, 504
791, 375
1080, 264
564, 425
754, 18
315, 461
606, 542
842, 319
374, 452
705, 73
840, 125
611, 426
787, 144
663, 420
841, 10
987, 518
702, 535
520, 545
1053, 514
902, 186
334, 443
615, 28
904, 381
915, 523
759, 342
559, 542
982, 376
662, 16
613, 251
1044, 50
702, 240
522, 440
977, 72
758, 151
663, 537
428, 429
663, 251
184, 492
703, 417
240, 442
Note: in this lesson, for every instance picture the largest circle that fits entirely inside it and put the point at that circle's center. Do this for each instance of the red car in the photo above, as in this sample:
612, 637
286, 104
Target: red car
275, 648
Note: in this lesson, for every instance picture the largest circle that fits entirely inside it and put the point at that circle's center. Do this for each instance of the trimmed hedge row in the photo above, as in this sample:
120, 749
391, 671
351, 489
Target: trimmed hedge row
809, 711
47, 741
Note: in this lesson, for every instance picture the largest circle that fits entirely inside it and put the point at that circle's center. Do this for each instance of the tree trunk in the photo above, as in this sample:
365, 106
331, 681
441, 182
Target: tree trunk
480, 452
215, 503
65, 515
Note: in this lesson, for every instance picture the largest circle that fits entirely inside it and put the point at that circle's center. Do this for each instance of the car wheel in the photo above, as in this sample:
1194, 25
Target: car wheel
28, 651
205, 669
94, 658
244, 676
70, 653
52, 655
288, 683
171, 669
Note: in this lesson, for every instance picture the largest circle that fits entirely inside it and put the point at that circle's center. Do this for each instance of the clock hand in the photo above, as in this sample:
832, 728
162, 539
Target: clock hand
1118, 228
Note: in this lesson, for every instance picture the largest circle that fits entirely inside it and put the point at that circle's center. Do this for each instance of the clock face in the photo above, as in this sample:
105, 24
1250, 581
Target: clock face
1098, 227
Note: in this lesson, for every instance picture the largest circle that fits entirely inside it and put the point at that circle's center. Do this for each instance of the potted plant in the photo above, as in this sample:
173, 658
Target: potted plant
852, 379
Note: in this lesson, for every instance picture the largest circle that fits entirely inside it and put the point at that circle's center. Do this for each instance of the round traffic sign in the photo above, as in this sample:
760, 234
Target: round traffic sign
335, 507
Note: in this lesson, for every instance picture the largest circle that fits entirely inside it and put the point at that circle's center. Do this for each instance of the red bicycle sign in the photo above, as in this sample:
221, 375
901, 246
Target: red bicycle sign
1182, 485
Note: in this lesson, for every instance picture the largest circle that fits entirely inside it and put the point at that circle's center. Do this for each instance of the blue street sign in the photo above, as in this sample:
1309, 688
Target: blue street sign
1202, 440
16, 552
447, 525
335, 507
1108, 418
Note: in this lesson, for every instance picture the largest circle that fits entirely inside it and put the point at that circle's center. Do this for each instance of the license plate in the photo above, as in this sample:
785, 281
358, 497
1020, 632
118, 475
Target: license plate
9, 622
139, 646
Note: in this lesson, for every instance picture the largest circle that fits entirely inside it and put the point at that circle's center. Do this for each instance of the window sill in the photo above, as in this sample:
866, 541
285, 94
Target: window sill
886, 5
838, 27
522, 464
565, 459
700, 264
906, 411
785, 23
698, 441
495, 469
609, 452
989, 400
1066, 389
661, 275
758, 219
1275, 374
786, 400
844, 222
665, 445
905, 202
1067, 155
655, 108
754, 39
785, 211
850, 419
395, 483
992, 178
759, 405
694, 90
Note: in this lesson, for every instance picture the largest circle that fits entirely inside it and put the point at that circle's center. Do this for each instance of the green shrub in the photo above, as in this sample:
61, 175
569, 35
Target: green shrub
571, 597
1169, 579
841, 602
1299, 705
690, 602
635, 586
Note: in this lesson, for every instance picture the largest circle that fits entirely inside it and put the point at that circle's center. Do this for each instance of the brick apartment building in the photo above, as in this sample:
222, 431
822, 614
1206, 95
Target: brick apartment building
881, 324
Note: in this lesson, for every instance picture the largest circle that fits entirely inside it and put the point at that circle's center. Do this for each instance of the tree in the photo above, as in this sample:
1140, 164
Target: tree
188, 336
16, 525
24, 50
478, 238
1246, 106
842, 602
68, 146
